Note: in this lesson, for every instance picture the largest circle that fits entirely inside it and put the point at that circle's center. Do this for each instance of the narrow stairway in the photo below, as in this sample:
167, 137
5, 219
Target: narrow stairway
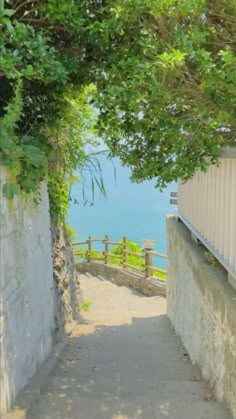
124, 362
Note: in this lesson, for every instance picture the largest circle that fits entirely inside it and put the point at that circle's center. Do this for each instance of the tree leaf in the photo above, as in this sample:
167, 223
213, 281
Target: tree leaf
35, 156
10, 189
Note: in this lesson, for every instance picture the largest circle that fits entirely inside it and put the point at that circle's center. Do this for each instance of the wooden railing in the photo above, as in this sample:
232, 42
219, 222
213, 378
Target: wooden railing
146, 269
207, 205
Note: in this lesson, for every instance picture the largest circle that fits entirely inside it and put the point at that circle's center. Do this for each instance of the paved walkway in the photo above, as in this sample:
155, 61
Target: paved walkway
125, 362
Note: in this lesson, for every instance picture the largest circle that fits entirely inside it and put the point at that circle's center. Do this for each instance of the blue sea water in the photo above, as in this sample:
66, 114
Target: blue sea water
135, 210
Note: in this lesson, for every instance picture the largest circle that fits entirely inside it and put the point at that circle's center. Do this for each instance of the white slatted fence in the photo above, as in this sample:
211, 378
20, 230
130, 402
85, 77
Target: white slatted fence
207, 205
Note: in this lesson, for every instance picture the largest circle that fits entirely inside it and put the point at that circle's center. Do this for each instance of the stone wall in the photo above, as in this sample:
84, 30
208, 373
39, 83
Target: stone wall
66, 280
27, 312
148, 287
202, 308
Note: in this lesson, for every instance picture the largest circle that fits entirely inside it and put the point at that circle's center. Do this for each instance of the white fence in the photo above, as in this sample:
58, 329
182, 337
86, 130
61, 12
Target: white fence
207, 205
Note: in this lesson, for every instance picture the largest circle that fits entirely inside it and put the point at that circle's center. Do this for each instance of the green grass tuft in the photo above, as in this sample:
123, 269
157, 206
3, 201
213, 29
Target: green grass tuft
85, 305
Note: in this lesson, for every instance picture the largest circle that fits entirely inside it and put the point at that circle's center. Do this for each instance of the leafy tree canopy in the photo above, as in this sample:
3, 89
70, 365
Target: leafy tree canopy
164, 76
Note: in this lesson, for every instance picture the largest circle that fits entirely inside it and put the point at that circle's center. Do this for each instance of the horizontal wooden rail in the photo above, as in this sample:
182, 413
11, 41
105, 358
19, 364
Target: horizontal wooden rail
96, 240
79, 243
110, 255
127, 265
129, 252
86, 242
160, 255
114, 243
154, 268
106, 257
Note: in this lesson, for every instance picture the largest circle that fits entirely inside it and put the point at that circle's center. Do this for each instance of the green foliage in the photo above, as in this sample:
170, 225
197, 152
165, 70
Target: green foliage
211, 259
71, 233
55, 153
83, 254
85, 305
68, 138
157, 78
18, 153
133, 260
168, 96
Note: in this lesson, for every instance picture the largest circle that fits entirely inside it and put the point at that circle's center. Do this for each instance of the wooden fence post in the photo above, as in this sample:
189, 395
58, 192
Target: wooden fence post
106, 249
89, 247
148, 263
124, 254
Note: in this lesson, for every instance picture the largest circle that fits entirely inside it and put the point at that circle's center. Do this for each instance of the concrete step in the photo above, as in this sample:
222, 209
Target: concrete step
172, 400
124, 363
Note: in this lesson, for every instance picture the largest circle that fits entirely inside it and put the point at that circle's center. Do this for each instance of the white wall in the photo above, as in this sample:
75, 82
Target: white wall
27, 291
202, 308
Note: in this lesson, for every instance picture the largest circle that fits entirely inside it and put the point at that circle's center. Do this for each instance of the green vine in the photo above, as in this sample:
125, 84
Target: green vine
24, 156
53, 154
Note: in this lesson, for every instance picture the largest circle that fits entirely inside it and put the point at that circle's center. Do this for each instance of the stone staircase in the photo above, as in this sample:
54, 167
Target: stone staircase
124, 362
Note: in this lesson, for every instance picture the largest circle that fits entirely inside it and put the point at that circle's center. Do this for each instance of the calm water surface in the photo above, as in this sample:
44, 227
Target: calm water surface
135, 210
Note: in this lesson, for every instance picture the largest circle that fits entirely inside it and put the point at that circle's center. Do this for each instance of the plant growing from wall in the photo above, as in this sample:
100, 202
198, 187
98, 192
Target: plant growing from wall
22, 155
